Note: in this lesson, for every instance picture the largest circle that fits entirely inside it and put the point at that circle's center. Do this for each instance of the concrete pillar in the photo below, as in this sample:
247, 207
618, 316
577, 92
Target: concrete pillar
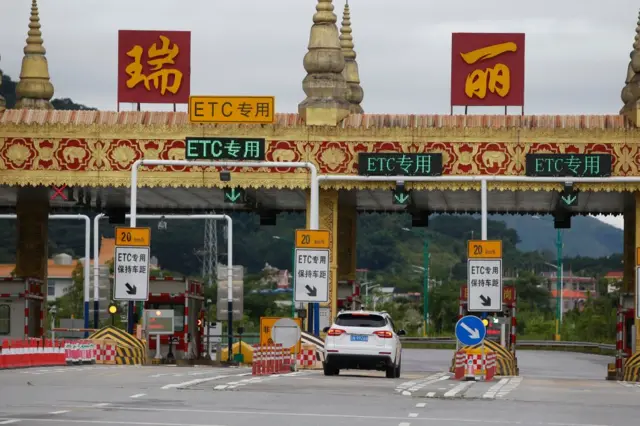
32, 209
329, 220
629, 247
636, 229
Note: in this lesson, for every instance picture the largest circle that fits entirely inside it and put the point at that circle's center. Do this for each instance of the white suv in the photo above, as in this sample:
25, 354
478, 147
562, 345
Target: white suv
362, 340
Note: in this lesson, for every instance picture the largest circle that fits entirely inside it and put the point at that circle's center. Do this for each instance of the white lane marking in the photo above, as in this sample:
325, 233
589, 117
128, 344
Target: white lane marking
101, 404
404, 424
407, 388
431, 394
413, 414
491, 393
513, 383
198, 381
457, 389
629, 384
59, 412
289, 414
421, 404
138, 395
104, 422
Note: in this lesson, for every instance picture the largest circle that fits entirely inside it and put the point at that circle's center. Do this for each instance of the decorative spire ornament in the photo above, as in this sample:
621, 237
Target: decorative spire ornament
350, 72
325, 86
34, 90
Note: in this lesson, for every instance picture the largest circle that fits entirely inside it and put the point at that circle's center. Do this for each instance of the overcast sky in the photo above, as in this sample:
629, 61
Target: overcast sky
577, 51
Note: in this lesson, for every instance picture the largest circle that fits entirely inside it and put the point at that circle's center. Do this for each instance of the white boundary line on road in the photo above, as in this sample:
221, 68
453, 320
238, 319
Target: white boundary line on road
457, 389
198, 381
114, 407
407, 388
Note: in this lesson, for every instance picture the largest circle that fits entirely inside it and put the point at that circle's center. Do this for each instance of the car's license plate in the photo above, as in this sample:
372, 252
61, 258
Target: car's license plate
359, 338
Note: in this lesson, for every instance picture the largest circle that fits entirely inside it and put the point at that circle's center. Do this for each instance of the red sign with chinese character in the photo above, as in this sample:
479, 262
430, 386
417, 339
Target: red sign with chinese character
154, 66
487, 69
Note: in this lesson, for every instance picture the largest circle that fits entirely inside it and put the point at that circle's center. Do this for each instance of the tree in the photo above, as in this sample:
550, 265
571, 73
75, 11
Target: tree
71, 304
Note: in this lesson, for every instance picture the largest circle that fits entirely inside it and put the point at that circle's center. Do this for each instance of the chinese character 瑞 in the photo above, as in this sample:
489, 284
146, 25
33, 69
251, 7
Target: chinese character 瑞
496, 79
158, 58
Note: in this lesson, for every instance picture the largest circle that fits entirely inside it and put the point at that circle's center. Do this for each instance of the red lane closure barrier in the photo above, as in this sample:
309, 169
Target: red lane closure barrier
270, 359
34, 352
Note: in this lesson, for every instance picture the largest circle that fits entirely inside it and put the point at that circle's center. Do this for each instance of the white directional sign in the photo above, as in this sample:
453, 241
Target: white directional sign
131, 273
485, 285
312, 275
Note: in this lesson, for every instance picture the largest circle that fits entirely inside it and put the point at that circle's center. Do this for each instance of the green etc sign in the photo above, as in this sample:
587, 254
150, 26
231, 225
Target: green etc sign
225, 149
399, 164
568, 165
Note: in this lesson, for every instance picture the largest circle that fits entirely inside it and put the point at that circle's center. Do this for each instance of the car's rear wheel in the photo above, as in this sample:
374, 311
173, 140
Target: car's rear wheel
329, 370
391, 372
398, 370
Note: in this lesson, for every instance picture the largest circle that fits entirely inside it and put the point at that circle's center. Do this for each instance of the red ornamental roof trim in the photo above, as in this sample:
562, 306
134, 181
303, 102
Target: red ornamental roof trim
356, 121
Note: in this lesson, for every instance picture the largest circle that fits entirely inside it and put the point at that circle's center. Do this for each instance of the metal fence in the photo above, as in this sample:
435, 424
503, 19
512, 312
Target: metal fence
520, 343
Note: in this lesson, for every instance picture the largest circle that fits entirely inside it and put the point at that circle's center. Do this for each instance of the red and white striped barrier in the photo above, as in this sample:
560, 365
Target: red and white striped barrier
80, 351
270, 359
461, 362
30, 353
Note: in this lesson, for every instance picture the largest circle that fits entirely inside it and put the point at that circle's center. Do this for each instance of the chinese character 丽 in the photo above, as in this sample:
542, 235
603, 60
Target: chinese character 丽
496, 79
158, 58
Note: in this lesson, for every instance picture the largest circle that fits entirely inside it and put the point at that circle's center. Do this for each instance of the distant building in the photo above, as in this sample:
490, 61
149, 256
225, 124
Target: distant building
614, 280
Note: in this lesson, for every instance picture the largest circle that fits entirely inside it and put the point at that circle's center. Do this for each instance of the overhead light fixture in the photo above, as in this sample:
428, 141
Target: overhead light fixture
162, 225
225, 176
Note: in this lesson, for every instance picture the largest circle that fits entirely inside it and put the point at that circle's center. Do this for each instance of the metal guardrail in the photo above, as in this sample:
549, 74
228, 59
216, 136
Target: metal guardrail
521, 343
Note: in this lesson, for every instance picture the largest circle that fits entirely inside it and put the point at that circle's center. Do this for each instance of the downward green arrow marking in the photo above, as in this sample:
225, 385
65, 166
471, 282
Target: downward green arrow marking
401, 198
569, 199
233, 195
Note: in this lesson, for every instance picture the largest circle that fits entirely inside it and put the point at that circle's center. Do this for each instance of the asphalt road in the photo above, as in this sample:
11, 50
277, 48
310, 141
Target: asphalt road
548, 395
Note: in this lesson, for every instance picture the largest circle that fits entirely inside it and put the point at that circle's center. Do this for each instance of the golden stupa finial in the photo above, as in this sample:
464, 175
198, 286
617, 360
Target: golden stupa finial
3, 102
324, 85
350, 72
34, 90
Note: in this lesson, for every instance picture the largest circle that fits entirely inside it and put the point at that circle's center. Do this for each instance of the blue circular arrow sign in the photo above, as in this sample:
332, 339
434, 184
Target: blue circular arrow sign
470, 330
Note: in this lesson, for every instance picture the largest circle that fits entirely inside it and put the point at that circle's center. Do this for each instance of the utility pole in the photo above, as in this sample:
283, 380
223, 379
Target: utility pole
559, 285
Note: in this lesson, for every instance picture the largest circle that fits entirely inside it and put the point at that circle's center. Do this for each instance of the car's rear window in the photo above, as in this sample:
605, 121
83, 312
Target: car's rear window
360, 320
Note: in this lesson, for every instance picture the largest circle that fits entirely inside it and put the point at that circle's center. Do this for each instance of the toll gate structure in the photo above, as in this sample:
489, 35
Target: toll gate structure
89, 154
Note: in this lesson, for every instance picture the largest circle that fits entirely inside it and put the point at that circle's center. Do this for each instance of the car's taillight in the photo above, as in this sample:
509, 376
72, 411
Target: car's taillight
335, 332
383, 334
